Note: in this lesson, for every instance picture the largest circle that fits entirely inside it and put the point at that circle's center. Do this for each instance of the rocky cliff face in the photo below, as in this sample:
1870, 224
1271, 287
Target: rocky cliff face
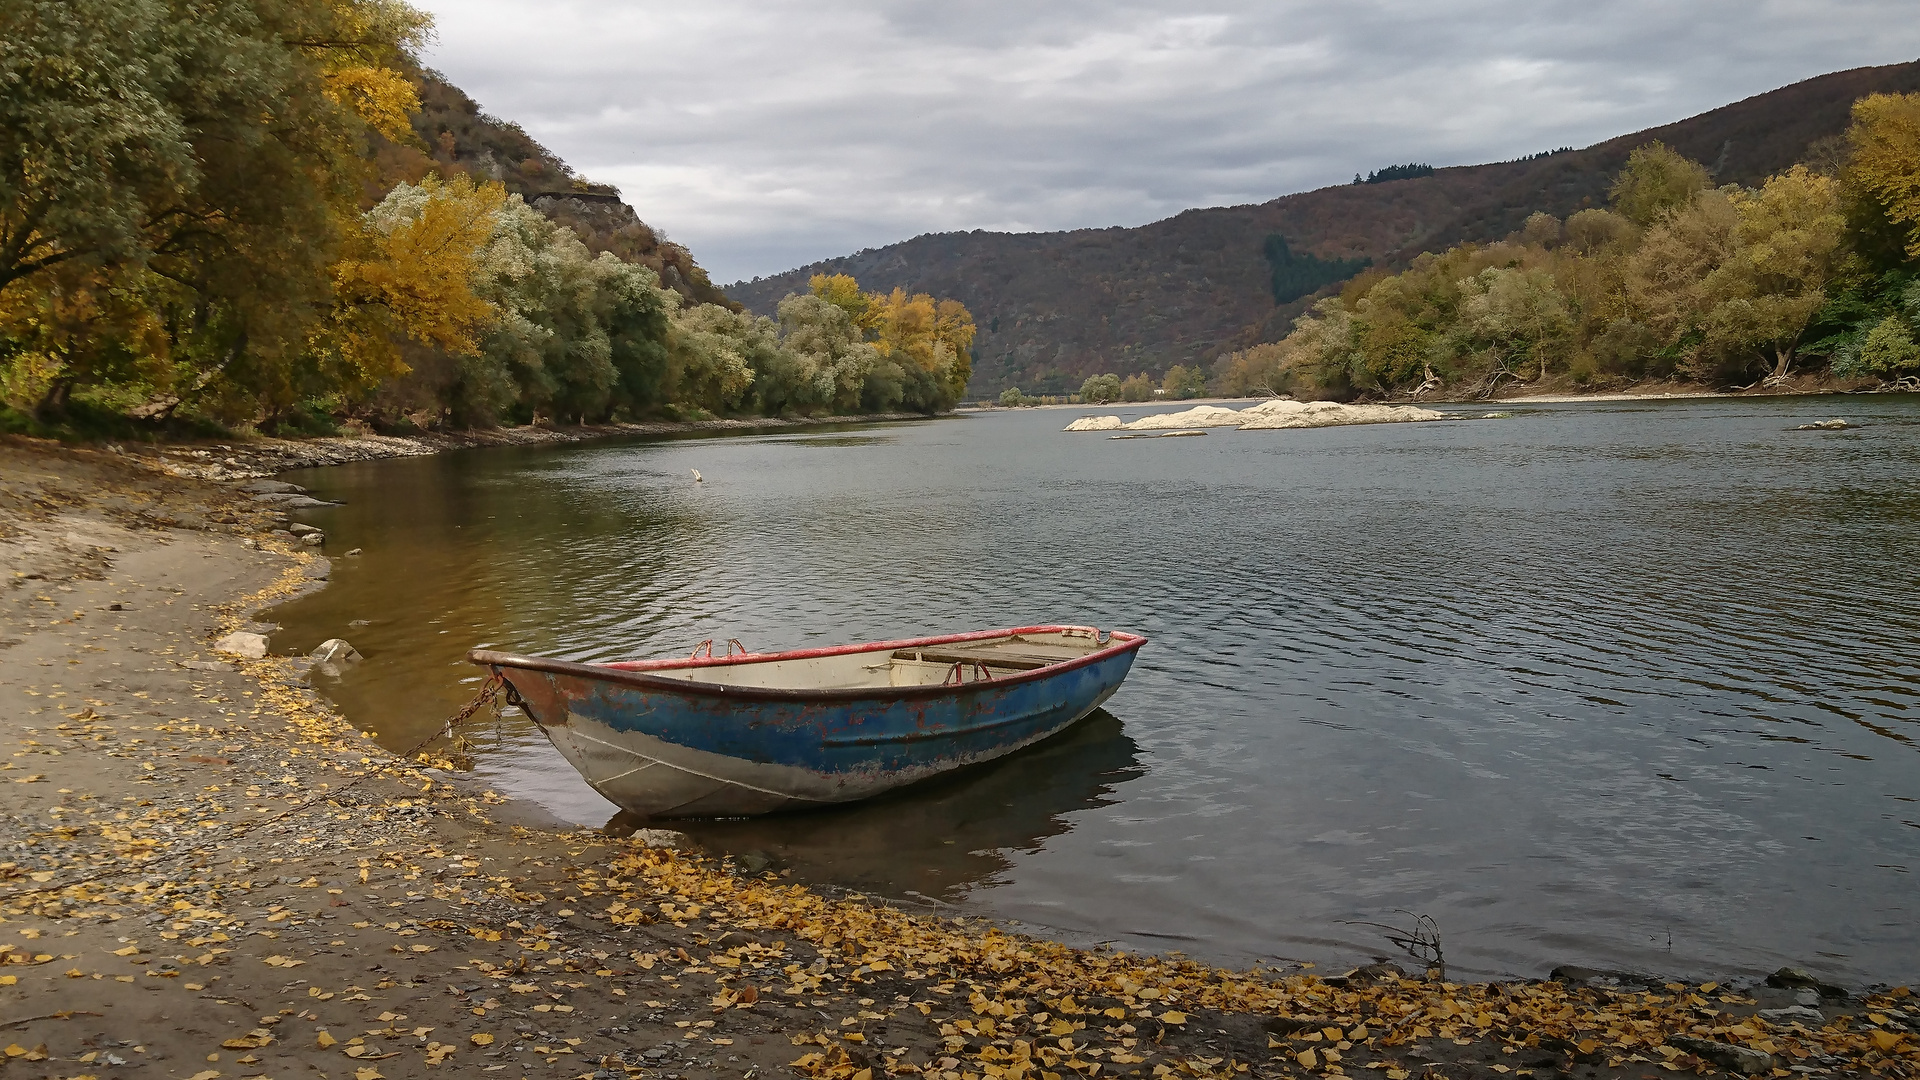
455, 135
1054, 308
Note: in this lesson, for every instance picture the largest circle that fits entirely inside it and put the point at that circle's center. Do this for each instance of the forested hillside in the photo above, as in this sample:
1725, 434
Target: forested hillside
455, 135
265, 215
1054, 308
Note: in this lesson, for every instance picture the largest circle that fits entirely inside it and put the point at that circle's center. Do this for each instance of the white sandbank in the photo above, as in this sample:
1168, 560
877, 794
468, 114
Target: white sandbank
1266, 416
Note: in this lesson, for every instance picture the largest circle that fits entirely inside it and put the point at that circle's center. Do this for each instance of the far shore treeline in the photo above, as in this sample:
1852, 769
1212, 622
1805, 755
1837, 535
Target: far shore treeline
204, 223
1816, 271
1818, 267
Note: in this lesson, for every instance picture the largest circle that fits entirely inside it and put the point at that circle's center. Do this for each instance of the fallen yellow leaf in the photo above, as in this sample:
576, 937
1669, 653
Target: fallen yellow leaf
1884, 1041
1172, 1017
482, 1039
325, 1040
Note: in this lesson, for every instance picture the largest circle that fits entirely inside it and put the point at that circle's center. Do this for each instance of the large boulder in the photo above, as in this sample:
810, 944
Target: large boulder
1096, 423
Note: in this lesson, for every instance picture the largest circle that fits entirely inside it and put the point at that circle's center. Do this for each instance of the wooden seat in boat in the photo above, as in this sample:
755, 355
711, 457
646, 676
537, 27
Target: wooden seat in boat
951, 655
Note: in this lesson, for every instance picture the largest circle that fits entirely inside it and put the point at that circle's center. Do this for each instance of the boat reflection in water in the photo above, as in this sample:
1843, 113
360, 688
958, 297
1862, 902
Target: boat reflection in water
940, 836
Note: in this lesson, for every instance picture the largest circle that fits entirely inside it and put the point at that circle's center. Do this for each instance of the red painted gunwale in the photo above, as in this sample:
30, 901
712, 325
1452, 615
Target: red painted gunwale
637, 672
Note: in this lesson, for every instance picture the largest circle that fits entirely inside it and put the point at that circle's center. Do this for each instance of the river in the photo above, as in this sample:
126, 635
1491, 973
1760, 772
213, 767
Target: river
1629, 685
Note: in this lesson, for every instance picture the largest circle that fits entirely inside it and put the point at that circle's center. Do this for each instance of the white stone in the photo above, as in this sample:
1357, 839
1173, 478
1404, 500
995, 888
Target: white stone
335, 651
1200, 416
1267, 416
660, 838
1281, 413
241, 644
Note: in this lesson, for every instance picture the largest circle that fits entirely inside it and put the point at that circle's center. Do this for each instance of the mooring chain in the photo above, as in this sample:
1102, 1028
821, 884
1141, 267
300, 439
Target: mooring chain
488, 691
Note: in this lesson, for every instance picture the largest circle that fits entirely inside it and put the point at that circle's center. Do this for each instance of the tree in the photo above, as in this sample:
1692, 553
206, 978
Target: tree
1100, 389
1182, 382
1656, 181
204, 161
89, 137
833, 358
1888, 351
1788, 246
714, 352
412, 272
1592, 232
1324, 338
1012, 398
1137, 388
1885, 164
843, 292
1517, 316
1262, 371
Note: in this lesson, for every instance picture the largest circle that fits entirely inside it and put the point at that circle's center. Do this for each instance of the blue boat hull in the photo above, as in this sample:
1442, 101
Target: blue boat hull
660, 743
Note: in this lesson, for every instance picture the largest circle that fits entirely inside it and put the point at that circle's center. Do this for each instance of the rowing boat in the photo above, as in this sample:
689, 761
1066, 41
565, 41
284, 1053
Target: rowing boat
750, 733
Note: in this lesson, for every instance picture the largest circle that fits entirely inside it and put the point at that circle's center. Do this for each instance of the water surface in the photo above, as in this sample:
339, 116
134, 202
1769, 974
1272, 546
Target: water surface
1629, 685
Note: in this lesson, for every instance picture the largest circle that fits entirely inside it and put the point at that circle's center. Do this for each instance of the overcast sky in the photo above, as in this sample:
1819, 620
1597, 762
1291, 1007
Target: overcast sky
766, 135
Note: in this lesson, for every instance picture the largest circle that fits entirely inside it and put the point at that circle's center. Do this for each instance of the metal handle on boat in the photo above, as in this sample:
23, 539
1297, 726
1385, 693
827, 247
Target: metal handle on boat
707, 645
732, 643
958, 675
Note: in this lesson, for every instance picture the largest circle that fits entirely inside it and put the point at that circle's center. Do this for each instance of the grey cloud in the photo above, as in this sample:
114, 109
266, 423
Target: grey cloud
766, 135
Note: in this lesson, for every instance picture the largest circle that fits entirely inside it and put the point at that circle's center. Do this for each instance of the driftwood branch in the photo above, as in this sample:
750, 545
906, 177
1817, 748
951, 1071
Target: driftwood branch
64, 1014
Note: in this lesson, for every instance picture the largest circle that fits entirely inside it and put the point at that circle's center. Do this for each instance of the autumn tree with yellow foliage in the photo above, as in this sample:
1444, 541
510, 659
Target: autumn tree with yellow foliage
924, 345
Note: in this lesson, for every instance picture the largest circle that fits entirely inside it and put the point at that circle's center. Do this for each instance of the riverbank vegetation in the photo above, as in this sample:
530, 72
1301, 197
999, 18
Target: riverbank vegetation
173, 256
1677, 278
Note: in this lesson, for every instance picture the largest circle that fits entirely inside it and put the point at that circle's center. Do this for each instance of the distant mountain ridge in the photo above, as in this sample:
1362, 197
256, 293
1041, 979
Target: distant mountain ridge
1053, 308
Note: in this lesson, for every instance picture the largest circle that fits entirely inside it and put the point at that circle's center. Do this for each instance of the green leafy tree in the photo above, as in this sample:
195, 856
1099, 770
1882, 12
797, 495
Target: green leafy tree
1100, 389
1517, 317
832, 356
1888, 351
1656, 181
138, 149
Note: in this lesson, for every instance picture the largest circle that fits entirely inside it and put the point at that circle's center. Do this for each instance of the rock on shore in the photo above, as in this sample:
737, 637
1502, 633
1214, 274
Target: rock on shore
1266, 416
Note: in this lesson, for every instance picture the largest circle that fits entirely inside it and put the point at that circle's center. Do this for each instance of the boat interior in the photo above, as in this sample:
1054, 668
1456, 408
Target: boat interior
927, 663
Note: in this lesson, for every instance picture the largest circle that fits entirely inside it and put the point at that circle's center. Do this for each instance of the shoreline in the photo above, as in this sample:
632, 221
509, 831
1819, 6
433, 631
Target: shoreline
217, 875
260, 457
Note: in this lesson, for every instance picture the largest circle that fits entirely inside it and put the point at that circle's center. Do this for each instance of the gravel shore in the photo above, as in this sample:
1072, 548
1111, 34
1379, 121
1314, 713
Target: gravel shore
205, 872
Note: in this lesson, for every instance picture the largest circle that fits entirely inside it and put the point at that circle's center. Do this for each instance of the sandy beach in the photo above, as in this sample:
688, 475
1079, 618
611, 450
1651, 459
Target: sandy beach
209, 873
